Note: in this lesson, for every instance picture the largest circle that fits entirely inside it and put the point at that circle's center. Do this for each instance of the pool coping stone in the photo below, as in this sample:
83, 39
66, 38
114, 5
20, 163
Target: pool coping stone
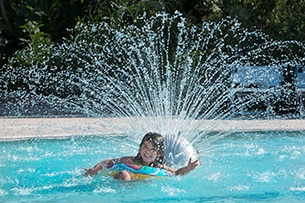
29, 128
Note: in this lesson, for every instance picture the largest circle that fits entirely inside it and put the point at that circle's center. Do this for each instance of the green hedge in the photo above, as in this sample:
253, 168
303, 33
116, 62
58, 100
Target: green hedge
281, 19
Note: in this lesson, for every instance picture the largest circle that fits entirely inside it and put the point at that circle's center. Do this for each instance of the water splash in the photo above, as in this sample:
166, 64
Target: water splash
159, 68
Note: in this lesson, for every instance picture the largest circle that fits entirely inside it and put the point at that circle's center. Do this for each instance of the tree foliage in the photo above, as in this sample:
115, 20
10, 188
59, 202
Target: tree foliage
34, 22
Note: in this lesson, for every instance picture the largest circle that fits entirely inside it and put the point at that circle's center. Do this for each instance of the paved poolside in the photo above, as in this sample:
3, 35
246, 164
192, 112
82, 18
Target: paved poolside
27, 128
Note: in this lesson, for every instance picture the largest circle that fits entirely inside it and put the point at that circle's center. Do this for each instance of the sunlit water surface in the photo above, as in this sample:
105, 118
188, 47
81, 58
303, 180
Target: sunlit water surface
241, 167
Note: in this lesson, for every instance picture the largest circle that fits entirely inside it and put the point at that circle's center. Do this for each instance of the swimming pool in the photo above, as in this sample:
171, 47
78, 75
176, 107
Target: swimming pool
242, 167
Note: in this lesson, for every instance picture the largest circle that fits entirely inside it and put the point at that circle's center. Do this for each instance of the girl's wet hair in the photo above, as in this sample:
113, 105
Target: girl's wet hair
158, 143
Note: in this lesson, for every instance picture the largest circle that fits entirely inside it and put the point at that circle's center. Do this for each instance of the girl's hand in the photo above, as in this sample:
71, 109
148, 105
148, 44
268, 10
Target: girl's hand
90, 172
96, 168
192, 165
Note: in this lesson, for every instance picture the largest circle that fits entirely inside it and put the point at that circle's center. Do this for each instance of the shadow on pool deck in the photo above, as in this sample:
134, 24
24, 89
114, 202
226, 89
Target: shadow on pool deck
28, 128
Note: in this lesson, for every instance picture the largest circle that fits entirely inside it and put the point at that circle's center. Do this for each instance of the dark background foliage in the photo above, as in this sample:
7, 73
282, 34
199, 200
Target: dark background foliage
26, 23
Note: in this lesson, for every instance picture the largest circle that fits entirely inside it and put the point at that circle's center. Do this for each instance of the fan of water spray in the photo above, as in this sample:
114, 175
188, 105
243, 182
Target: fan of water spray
160, 71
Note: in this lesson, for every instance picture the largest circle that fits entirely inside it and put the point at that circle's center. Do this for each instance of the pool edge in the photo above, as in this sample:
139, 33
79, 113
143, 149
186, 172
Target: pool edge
29, 128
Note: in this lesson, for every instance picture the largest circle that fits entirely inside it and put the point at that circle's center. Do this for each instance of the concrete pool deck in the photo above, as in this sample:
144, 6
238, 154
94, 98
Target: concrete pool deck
28, 128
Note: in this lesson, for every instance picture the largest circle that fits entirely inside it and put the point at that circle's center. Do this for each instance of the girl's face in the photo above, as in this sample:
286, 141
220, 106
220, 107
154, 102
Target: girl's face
148, 152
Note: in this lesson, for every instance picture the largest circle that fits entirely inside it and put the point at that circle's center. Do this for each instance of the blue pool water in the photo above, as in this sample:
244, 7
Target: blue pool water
242, 167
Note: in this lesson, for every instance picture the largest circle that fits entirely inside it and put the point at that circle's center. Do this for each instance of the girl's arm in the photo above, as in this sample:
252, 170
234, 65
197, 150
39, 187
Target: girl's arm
190, 166
94, 170
184, 170
105, 164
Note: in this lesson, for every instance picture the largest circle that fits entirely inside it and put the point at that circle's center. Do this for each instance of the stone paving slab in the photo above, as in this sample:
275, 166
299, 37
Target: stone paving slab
28, 128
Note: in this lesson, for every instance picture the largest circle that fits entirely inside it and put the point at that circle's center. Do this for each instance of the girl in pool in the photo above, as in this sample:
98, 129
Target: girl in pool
151, 153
